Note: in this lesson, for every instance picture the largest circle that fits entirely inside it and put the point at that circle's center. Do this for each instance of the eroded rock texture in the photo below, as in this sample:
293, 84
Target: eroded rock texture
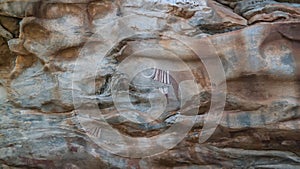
73, 71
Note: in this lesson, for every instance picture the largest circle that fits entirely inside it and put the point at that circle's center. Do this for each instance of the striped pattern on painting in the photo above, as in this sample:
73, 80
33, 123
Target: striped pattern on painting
161, 76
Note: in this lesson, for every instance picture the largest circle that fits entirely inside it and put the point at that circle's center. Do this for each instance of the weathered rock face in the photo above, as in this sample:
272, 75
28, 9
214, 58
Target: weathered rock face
265, 10
149, 84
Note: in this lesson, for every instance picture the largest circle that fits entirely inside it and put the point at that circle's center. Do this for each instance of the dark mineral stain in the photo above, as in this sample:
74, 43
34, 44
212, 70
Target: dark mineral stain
244, 119
287, 60
263, 118
225, 64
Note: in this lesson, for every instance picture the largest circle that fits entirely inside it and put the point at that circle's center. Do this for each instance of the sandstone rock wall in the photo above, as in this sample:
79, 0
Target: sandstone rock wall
76, 85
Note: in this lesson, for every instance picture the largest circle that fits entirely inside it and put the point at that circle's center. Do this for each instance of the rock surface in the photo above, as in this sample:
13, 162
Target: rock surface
149, 84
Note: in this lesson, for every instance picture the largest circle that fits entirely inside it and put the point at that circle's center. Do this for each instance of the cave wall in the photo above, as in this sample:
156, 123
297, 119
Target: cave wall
149, 84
